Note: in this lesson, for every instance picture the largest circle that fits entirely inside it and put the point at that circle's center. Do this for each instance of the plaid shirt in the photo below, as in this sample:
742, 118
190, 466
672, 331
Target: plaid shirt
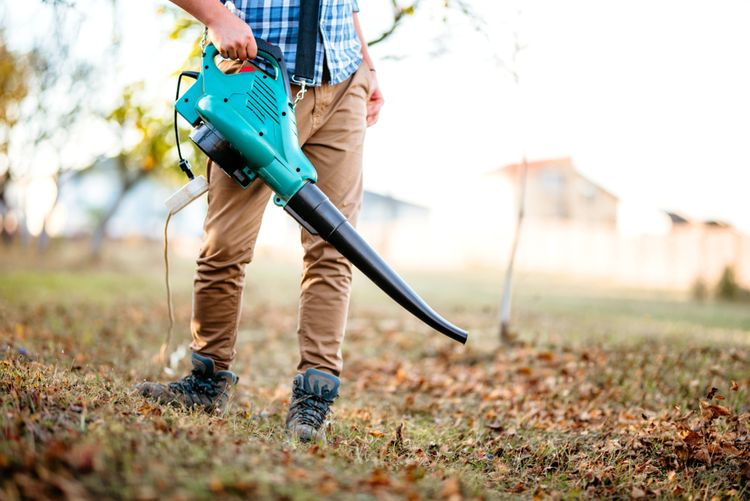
276, 21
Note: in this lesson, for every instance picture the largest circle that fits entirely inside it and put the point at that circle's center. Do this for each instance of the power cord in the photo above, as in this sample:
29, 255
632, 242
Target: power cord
196, 186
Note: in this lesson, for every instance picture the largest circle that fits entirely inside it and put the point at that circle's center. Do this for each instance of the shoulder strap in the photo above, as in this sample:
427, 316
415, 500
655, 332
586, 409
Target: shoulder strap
307, 40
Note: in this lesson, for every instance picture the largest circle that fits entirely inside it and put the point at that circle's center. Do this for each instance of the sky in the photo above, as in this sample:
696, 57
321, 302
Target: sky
649, 98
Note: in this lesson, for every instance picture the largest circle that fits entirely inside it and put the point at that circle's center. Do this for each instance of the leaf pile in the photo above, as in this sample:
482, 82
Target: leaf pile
418, 418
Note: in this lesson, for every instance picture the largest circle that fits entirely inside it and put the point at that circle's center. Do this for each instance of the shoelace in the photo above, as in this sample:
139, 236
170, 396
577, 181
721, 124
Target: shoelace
195, 384
311, 409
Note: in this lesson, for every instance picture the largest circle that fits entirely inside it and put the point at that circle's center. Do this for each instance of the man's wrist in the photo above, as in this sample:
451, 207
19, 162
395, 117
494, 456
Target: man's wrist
216, 14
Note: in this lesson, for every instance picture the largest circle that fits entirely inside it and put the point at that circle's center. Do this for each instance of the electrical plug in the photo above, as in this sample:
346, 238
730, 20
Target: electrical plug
185, 195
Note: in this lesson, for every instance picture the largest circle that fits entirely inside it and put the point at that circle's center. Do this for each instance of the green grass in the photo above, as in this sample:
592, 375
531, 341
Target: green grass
600, 398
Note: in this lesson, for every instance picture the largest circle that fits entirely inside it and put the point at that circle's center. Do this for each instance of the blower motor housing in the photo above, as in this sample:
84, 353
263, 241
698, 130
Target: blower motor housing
212, 143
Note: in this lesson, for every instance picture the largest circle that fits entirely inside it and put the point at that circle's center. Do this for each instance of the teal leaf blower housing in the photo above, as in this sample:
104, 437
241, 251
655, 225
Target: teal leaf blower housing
245, 123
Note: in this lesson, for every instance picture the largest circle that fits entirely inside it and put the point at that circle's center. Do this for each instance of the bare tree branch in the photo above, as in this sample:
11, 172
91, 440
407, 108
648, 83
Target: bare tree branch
399, 13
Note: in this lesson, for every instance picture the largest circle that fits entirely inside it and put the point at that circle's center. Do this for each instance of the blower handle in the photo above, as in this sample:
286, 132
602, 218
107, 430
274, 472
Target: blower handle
273, 54
266, 51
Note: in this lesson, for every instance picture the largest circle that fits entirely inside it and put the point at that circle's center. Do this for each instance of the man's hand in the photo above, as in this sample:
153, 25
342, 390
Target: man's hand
375, 100
232, 37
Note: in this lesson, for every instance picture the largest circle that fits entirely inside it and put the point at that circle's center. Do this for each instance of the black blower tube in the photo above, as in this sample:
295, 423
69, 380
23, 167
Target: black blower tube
311, 208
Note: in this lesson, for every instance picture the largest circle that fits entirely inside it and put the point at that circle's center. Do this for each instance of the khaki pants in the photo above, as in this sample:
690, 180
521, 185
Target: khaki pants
331, 122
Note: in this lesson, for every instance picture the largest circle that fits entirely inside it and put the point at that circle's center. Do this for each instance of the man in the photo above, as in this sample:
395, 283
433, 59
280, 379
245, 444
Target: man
331, 119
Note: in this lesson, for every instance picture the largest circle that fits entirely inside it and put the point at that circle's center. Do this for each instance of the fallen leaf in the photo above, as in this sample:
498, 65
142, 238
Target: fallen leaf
379, 477
216, 486
637, 493
711, 411
745, 470
296, 473
327, 487
519, 487
451, 487
692, 439
82, 457
495, 426
149, 410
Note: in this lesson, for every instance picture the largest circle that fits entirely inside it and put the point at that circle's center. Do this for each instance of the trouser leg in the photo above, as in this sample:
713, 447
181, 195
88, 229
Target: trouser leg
231, 229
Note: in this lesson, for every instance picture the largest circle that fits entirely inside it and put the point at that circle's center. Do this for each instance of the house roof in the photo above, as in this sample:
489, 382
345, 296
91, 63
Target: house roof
715, 223
677, 218
515, 170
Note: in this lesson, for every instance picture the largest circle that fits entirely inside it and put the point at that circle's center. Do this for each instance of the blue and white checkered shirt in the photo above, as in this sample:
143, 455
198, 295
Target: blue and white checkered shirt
276, 21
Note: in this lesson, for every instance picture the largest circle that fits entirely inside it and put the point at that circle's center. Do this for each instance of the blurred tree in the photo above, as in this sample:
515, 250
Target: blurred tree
57, 96
399, 13
15, 71
728, 289
153, 147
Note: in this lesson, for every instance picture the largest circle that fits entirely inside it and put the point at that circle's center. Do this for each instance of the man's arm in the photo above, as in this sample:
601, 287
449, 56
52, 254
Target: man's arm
375, 101
230, 34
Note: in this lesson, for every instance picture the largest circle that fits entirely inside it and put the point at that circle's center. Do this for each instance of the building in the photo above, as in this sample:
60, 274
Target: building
142, 212
556, 191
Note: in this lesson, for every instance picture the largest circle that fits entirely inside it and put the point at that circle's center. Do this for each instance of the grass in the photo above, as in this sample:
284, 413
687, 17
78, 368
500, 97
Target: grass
607, 395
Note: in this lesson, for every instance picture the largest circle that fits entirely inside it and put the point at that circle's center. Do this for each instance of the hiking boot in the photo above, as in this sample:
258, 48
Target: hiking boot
312, 395
201, 388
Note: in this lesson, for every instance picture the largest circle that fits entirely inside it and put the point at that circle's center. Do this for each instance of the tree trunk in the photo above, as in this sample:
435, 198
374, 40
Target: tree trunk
5, 235
100, 232
506, 335
43, 240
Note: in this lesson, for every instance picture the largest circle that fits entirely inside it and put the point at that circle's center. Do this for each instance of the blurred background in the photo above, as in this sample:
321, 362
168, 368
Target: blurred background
621, 129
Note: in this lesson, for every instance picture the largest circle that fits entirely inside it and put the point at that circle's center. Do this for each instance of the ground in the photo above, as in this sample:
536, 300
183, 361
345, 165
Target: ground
609, 393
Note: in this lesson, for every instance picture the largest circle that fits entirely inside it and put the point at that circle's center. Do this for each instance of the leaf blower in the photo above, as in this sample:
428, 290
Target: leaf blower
245, 123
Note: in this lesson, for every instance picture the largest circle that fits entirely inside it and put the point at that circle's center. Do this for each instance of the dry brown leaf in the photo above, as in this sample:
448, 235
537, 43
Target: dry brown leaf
327, 487
518, 488
495, 426
711, 411
735, 386
745, 470
692, 438
149, 410
546, 356
637, 493
82, 457
451, 487
216, 486
296, 473
726, 449
379, 477
400, 375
